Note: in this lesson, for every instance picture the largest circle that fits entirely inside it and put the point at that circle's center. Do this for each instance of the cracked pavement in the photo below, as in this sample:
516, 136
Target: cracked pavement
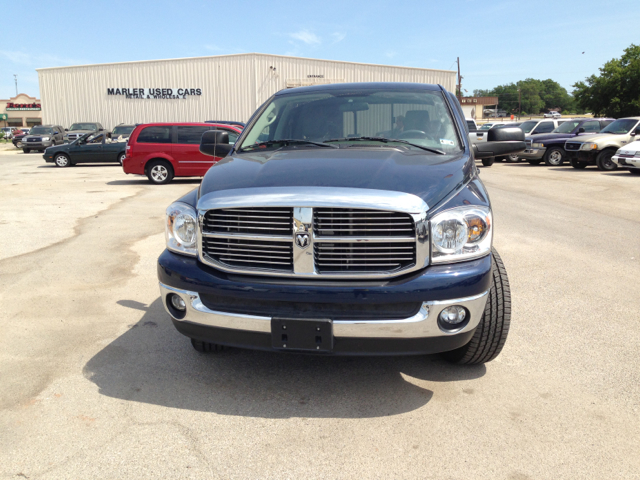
96, 383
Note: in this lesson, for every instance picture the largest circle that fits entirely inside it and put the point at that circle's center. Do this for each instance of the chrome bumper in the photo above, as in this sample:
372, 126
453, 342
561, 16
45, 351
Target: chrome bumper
633, 162
422, 325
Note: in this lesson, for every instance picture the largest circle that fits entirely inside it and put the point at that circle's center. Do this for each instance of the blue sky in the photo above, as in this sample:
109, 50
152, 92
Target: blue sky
497, 41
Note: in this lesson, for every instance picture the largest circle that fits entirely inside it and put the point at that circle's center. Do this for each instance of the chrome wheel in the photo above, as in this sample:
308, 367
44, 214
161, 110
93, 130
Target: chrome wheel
121, 158
555, 157
159, 173
513, 157
62, 161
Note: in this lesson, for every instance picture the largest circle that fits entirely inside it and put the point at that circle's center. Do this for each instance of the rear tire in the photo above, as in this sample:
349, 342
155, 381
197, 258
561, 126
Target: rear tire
121, 158
159, 172
487, 162
205, 347
534, 162
491, 333
554, 157
578, 164
604, 161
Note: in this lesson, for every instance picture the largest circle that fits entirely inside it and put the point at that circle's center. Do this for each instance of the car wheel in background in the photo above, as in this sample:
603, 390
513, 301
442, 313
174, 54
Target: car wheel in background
25, 150
121, 158
491, 333
578, 164
513, 158
534, 162
554, 157
159, 172
205, 347
604, 161
634, 172
487, 162
62, 160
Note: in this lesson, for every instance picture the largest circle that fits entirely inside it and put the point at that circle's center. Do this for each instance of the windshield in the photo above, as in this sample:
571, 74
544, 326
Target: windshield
567, 127
415, 117
83, 126
624, 125
487, 126
41, 131
123, 130
526, 127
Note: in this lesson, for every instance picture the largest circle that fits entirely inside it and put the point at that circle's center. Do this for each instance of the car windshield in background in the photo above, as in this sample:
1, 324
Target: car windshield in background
526, 127
622, 126
123, 130
417, 120
41, 131
83, 126
567, 127
486, 126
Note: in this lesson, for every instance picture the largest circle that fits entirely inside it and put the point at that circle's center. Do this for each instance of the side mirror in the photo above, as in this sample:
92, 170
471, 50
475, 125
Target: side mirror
500, 141
215, 143
66, 129
581, 130
635, 132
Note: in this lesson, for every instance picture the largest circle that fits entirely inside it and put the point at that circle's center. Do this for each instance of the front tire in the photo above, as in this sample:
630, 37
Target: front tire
491, 334
554, 157
205, 347
62, 160
604, 161
25, 150
513, 158
159, 172
634, 172
487, 162
578, 164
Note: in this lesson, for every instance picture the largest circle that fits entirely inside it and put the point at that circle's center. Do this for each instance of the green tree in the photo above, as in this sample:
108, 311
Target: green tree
616, 91
535, 95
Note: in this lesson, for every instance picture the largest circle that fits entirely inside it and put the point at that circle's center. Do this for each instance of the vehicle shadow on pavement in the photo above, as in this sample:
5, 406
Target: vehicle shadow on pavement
144, 181
152, 363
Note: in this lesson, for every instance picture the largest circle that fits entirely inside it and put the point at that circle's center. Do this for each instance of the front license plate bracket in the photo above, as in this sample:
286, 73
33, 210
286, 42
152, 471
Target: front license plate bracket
312, 335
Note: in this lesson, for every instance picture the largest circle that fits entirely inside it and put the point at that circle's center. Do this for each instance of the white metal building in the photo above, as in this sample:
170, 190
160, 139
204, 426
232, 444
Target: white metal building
226, 87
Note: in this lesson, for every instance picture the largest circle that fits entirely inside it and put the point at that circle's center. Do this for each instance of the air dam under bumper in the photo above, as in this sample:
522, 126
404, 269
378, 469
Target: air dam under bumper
437, 287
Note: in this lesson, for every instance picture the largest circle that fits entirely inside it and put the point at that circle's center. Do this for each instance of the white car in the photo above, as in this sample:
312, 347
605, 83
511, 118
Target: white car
552, 115
628, 157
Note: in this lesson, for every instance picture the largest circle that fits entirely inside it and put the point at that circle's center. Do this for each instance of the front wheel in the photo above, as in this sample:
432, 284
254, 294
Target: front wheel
578, 164
513, 158
491, 333
554, 157
634, 172
121, 158
159, 172
487, 162
25, 150
62, 160
604, 161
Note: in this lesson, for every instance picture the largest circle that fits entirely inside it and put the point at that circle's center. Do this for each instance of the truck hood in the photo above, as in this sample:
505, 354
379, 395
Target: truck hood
429, 176
550, 136
602, 137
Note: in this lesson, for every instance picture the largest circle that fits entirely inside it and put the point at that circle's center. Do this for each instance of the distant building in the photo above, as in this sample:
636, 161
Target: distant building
21, 111
473, 107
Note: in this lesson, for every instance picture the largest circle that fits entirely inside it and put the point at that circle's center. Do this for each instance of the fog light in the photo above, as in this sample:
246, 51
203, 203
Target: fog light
453, 315
178, 303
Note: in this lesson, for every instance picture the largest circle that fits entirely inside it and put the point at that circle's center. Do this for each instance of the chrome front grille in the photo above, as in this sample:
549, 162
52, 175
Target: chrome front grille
364, 257
258, 221
350, 222
572, 146
244, 254
528, 142
317, 240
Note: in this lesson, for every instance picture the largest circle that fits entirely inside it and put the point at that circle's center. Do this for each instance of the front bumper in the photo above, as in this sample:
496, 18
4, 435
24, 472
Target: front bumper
588, 156
626, 162
37, 145
466, 284
533, 153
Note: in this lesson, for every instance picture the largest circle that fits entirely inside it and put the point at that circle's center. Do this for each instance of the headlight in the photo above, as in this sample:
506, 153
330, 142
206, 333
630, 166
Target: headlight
180, 229
44, 139
461, 234
589, 146
537, 145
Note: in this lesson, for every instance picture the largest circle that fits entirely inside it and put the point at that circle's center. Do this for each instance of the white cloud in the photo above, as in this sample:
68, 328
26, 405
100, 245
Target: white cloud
307, 37
338, 37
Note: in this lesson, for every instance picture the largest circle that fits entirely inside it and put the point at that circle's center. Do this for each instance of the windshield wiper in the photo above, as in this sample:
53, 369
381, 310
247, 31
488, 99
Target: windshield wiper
286, 142
386, 140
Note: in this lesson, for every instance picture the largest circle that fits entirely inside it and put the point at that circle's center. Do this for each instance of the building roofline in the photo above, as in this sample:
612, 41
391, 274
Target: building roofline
7, 99
239, 55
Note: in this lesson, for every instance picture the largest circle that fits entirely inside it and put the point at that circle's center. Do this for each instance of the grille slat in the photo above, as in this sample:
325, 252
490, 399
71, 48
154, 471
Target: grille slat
250, 253
259, 221
363, 258
346, 222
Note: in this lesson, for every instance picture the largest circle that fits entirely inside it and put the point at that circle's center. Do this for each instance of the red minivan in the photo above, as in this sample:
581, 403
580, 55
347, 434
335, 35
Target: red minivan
162, 151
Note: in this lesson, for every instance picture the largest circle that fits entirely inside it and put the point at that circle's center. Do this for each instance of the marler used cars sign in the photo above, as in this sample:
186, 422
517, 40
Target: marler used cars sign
163, 93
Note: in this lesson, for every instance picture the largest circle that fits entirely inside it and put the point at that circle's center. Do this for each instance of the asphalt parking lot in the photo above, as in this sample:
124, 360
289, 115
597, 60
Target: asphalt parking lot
96, 382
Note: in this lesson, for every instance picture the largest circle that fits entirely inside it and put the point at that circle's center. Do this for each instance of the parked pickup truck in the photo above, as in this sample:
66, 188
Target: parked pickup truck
599, 148
328, 239
549, 147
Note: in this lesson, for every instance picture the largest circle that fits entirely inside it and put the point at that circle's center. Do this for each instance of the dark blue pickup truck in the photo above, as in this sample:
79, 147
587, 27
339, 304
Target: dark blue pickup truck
549, 147
319, 234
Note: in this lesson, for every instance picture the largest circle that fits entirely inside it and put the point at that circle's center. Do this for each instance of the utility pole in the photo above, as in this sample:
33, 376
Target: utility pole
459, 82
519, 103
16, 78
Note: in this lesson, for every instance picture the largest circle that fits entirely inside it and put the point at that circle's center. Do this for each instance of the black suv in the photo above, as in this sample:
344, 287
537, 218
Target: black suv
41, 137
328, 238
77, 130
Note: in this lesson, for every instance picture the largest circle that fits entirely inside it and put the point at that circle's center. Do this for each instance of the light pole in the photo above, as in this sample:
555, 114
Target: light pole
519, 103
16, 78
